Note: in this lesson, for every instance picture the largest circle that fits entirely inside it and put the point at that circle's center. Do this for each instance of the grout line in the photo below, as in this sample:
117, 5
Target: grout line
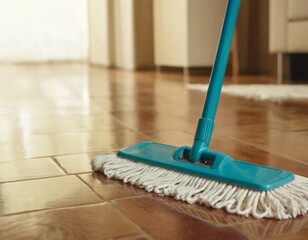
80, 173
140, 131
52, 156
249, 219
33, 179
89, 186
79, 153
209, 221
122, 214
164, 130
26, 159
52, 209
161, 200
135, 236
132, 197
42, 178
264, 149
183, 211
59, 165
301, 130
77, 131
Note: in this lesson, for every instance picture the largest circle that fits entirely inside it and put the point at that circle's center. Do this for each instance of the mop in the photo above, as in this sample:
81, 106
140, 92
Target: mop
199, 175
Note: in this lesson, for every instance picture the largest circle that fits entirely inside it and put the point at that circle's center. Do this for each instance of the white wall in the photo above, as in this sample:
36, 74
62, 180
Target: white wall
170, 32
101, 32
43, 30
124, 34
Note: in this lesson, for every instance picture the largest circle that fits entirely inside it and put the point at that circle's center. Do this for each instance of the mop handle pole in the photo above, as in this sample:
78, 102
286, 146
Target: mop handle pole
221, 60
206, 122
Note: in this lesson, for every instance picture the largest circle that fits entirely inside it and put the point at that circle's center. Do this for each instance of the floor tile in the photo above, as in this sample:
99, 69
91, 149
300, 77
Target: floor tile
275, 229
44, 194
29, 169
100, 221
210, 215
110, 189
288, 116
123, 103
136, 237
162, 222
56, 124
289, 144
244, 151
149, 120
42, 145
49, 111
76, 163
69, 111
170, 137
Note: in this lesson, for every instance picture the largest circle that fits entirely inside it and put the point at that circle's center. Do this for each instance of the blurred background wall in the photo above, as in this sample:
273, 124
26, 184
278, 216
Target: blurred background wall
43, 30
185, 34
135, 34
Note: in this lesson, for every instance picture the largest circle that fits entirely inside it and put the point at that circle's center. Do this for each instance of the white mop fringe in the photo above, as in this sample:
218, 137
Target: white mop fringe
288, 201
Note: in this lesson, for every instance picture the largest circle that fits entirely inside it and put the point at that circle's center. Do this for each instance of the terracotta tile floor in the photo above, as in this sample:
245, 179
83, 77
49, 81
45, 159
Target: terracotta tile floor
55, 117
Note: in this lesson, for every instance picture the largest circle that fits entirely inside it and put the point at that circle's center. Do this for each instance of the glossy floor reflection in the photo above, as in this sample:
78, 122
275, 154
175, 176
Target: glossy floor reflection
55, 117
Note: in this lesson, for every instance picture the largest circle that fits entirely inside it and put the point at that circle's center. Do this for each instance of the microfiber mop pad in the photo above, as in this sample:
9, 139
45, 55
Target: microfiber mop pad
288, 201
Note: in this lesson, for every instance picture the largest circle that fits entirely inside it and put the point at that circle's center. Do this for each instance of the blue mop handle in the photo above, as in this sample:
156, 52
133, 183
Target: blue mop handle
206, 122
221, 60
